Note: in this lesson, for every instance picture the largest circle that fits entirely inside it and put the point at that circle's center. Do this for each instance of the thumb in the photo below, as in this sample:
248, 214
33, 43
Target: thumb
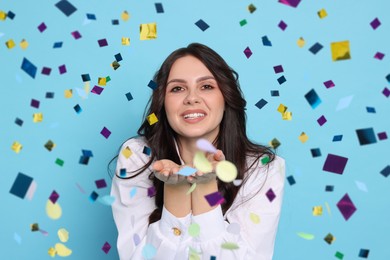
158, 166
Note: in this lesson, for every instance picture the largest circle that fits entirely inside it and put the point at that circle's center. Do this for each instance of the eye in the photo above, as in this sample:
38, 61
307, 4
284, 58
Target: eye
207, 86
176, 89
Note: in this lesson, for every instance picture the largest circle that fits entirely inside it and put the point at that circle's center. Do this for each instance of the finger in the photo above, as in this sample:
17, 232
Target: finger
158, 166
219, 156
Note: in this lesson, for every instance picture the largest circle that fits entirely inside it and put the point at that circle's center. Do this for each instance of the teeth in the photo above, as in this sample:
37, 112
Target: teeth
194, 115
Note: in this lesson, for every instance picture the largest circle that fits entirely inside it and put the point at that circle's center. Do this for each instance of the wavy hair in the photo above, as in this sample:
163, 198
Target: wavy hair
231, 139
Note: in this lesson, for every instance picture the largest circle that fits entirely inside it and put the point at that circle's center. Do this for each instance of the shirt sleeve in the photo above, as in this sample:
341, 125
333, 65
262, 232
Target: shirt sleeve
253, 223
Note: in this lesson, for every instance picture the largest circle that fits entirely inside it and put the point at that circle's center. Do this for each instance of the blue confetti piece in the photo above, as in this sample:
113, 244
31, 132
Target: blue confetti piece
133, 191
371, 110
29, 68
93, 197
313, 99
315, 152
149, 251
366, 136
159, 8
386, 171
261, 103
66, 7
118, 57
152, 85
316, 48
87, 153
202, 25
57, 45
291, 180
21, 185
147, 150
17, 238
78, 109
337, 138
91, 17
281, 80
266, 41
129, 96
187, 171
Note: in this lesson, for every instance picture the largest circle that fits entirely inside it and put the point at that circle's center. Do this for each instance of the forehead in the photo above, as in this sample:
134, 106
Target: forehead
188, 67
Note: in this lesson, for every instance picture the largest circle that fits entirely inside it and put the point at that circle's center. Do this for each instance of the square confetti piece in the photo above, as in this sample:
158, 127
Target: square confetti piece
129, 96
281, 80
287, 115
251, 8
266, 41
329, 188
322, 13
301, 42
270, 195
292, 3
84, 160
315, 152
115, 22
118, 57
303, 137
147, 150
76, 35
49, 145
243, 22
126, 152
49, 95
34, 103
152, 119
151, 191
42, 27
291, 180
274, 143
322, 120
78, 109
282, 108
106, 247
375, 23
105, 132
148, 31
329, 238
10, 15
125, 16
363, 253
54, 197
16, 147
346, 206
19, 121
46, 71
275, 93
202, 25
282, 25
386, 171
85, 77
57, 45
37, 117
152, 84
248, 52
366, 136
101, 183
159, 8
87, 153
261, 103
62, 69
93, 197
335, 163
312, 98
337, 138
10, 44
97, 90
115, 65
278, 69
340, 50
102, 42
344, 103
59, 162
214, 198
21, 185
126, 41
371, 110
386, 92
122, 172
23, 44
317, 211
66, 7
91, 17
315, 48
379, 55
382, 136
29, 68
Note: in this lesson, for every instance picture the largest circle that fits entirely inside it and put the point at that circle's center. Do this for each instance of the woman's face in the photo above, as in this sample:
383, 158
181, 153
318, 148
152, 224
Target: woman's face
194, 104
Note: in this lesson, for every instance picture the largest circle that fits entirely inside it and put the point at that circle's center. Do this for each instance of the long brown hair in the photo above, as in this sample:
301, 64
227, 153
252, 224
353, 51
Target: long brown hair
232, 138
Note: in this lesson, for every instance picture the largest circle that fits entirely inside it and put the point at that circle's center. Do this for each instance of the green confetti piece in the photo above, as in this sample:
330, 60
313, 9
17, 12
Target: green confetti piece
255, 218
339, 255
194, 230
265, 160
230, 246
243, 22
192, 188
305, 235
108, 78
59, 162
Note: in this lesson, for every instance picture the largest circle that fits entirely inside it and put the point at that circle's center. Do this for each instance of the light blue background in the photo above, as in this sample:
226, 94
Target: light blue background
90, 224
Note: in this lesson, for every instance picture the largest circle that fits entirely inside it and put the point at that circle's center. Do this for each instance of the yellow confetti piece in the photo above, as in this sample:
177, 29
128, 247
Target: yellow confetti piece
254, 218
63, 235
37, 117
50, 145
102, 81
53, 210
152, 119
194, 230
303, 137
340, 50
125, 41
328, 208
226, 171
301, 42
148, 31
287, 116
191, 189
322, 13
127, 152
201, 163
3, 15
68, 93
16, 147
62, 250
125, 16
282, 108
23, 44
230, 246
10, 44
317, 211
52, 252
305, 235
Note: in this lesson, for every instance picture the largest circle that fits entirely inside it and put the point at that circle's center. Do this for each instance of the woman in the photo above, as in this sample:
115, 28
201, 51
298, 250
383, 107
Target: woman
157, 215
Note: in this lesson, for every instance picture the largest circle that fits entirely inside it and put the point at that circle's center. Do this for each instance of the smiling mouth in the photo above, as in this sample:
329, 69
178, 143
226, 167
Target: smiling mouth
193, 115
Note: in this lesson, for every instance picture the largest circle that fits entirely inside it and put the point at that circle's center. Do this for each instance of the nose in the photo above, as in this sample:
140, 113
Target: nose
192, 98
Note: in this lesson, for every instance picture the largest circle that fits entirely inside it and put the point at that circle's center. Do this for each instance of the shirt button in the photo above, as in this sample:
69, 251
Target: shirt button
176, 231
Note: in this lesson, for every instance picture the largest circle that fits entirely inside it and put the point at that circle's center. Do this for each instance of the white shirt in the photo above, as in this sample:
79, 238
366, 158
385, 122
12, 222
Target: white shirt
252, 225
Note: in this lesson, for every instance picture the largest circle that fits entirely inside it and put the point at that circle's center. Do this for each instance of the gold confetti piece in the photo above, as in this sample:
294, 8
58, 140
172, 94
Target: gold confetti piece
125, 16
176, 231
10, 44
274, 143
3, 15
127, 152
68, 93
34, 227
63, 235
102, 81
230, 246
52, 252
53, 211
303, 137
282, 109
201, 163
37, 117
254, 218
62, 250
194, 230
125, 41
251, 8
322, 13
301, 42
340, 50
191, 189
287, 116
226, 171
148, 31
330, 238
115, 65
23, 44
152, 119
16, 147
306, 235
317, 211
328, 208
50, 145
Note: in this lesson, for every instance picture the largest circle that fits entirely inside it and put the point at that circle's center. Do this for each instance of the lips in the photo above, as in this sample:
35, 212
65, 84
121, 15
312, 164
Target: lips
193, 114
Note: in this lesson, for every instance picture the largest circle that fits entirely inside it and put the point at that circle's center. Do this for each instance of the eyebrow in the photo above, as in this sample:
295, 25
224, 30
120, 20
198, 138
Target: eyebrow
198, 80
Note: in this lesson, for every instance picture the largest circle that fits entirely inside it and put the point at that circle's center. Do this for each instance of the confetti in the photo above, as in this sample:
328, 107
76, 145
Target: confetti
346, 207
202, 25
312, 98
301, 42
329, 84
10, 44
337, 138
159, 8
344, 103
361, 186
291, 180
230, 246
340, 50
63, 235
322, 13
315, 48
152, 119
105, 132
102, 42
317, 211
214, 198
21, 185
148, 31
66, 7
152, 85
270, 195
363, 253
149, 251
53, 210
261, 103
205, 146
100, 183
194, 230
226, 171
274, 143
93, 196
292, 3
201, 163
303, 137
254, 218
29, 68
266, 41
106, 247
54, 197
335, 164
375, 23
62, 250
366, 136
321, 120
329, 238
282, 25
379, 55
125, 16
42, 27
248, 52
305, 236
243, 22
16, 147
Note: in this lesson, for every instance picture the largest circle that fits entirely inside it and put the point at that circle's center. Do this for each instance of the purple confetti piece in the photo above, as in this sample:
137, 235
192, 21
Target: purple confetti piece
329, 84
97, 90
322, 120
102, 42
42, 27
54, 197
248, 52
101, 183
386, 92
106, 247
382, 136
335, 164
105, 132
62, 69
292, 3
379, 55
35, 103
76, 35
151, 191
375, 23
136, 239
282, 25
346, 207
270, 195
46, 71
278, 69
205, 146
214, 198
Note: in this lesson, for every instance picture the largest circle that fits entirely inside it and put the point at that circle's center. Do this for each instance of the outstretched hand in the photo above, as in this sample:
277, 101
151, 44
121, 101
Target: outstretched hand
201, 177
166, 171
